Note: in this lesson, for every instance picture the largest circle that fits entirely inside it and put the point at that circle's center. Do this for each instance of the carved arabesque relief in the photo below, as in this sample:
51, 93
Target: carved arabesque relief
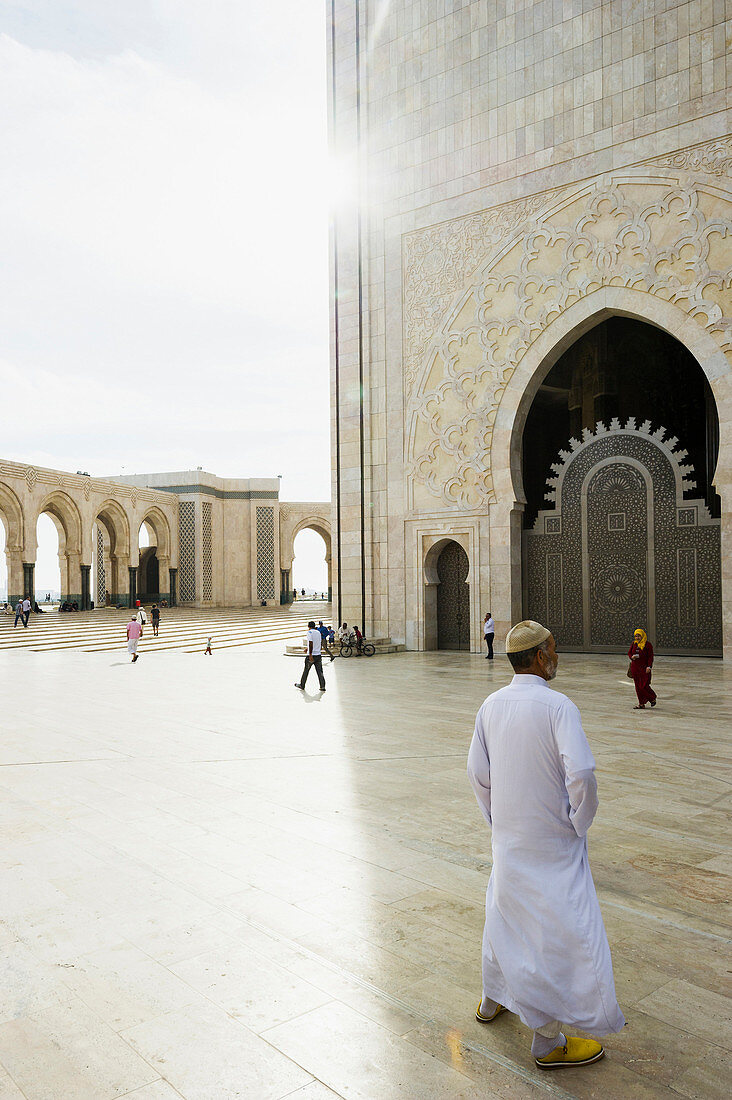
660, 233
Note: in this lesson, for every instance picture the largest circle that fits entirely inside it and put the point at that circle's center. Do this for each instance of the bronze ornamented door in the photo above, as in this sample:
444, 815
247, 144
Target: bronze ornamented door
625, 545
453, 598
615, 555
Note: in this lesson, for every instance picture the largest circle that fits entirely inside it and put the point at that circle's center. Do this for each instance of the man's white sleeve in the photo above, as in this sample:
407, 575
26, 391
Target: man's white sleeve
479, 770
579, 767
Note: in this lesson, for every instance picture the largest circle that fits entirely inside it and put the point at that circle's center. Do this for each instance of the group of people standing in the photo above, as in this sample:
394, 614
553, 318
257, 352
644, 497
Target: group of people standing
136, 625
640, 657
22, 612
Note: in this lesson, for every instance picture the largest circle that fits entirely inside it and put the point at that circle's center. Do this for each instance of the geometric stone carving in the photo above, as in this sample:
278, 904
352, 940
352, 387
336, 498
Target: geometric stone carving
631, 550
265, 554
206, 551
101, 594
480, 290
187, 551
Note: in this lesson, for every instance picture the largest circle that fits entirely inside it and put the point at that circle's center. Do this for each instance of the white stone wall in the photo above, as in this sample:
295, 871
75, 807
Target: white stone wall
476, 119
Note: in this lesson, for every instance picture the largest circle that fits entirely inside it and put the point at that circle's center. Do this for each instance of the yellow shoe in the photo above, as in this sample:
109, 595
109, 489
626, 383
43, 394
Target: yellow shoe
487, 1019
575, 1052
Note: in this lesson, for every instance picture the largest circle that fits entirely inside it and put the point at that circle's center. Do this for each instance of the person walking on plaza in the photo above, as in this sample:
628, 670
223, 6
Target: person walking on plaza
489, 630
545, 952
639, 669
208, 648
324, 634
134, 633
19, 614
27, 606
142, 617
313, 657
155, 615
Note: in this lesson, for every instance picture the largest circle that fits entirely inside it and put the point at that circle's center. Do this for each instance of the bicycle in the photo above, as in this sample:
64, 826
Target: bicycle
367, 650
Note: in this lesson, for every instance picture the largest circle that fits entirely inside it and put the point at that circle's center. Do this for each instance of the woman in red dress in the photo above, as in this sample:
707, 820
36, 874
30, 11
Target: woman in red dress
641, 662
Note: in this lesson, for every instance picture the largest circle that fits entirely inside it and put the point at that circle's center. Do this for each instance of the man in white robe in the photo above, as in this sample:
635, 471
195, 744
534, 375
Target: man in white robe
545, 951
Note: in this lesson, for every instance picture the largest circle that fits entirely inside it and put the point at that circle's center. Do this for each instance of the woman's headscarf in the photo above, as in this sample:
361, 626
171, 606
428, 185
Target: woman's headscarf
641, 643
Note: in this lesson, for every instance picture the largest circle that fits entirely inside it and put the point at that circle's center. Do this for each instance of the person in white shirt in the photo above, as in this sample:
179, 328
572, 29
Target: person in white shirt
26, 610
313, 657
545, 952
142, 617
489, 630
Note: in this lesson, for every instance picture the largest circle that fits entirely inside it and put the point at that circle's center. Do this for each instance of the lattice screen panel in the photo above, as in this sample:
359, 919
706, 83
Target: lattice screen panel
206, 551
265, 554
101, 597
187, 566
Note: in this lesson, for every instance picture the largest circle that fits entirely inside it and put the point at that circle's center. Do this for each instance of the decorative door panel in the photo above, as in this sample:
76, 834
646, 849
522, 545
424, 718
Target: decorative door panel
453, 598
615, 551
623, 547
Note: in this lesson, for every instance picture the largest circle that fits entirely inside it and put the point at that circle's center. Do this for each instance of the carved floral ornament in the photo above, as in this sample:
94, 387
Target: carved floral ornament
649, 233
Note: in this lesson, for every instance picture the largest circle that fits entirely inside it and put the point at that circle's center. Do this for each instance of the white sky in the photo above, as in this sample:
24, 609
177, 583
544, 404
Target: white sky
163, 219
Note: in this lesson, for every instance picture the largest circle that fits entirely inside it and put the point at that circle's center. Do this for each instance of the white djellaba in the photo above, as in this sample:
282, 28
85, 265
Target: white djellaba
545, 952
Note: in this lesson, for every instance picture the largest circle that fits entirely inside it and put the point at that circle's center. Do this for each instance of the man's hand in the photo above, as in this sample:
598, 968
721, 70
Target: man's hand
312, 659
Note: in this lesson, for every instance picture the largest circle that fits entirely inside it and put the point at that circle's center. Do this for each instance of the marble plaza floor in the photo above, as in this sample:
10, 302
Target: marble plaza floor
213, 885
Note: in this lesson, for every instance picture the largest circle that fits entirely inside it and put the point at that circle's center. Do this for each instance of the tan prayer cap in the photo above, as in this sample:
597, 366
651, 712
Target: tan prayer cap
525, 635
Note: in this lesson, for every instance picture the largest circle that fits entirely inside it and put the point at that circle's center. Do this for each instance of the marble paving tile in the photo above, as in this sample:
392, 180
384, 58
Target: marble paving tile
67, 1051
8, 1089
701, 1011
124, 986
237, 1063
158, 1090
664, 1053
251, 989
28, 984
357, 1057
316, 1090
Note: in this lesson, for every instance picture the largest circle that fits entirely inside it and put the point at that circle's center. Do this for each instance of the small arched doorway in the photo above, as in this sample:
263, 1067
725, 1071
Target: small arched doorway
310, 565
50, 561
148, 572
453, 597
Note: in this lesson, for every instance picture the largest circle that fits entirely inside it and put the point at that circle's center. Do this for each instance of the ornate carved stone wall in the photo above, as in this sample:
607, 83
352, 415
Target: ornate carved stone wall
478, 291
623, 547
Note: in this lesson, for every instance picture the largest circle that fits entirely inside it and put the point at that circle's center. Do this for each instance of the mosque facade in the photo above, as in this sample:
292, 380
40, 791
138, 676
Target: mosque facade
213, 542
531, 337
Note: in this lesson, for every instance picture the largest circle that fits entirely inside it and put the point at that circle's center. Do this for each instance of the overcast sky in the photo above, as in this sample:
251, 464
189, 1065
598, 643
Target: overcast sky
163, 229
163, 218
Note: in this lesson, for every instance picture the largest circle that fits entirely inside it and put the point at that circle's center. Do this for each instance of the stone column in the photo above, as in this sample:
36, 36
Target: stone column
132, 573
285, 593
73, 577
14, 559
173, 575
163, 573
85, 601
29, 585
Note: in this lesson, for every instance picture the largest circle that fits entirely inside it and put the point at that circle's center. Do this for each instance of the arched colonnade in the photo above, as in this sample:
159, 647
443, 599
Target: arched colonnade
98, 522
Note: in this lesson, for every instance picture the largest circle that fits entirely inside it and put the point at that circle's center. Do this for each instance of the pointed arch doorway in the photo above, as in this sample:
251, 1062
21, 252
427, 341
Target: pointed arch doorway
453, 597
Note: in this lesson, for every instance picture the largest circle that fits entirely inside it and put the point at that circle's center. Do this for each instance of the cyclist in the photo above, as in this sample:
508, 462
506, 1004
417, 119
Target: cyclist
359, 639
